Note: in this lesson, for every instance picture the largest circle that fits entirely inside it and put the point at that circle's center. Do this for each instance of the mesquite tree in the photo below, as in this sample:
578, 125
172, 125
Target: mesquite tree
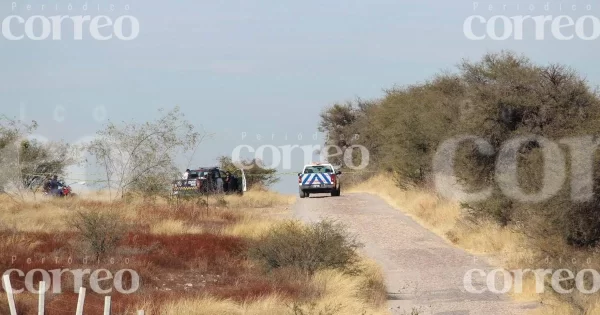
25, 164
132, 153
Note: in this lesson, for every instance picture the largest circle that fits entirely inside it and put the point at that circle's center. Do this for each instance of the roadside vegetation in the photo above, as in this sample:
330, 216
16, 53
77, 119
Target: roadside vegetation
205, 254
192, 259
498, 98
26, 163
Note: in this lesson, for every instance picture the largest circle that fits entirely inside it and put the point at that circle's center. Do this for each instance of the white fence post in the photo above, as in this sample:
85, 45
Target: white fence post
41, 298
80, 301
42, 295
9, 294
107, 305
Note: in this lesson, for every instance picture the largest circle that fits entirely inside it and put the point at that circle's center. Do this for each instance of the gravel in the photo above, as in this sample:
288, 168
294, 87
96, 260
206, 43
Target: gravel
422, 270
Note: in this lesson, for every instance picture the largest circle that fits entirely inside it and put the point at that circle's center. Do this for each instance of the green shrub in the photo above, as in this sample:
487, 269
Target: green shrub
497, 98
322, 245
101, 231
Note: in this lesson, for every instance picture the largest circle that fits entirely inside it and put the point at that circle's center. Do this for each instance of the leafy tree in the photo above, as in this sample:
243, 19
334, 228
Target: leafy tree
40, 161
497, 98
347, 124
142, 155
256, 174
26, 164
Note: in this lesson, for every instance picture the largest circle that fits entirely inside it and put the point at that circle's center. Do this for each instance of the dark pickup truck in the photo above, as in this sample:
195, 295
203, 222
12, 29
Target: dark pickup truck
209, 180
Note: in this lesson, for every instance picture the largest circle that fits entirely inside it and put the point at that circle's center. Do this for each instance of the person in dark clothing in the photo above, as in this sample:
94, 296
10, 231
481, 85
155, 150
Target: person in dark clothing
54, 186
210, 182
46, 187
233, 183
226, 182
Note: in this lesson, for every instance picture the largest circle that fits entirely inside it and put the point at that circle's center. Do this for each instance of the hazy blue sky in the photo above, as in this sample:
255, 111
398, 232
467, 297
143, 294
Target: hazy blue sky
261, 67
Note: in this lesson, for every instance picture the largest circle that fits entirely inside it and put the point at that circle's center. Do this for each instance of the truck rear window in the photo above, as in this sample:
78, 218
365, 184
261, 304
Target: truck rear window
317, 169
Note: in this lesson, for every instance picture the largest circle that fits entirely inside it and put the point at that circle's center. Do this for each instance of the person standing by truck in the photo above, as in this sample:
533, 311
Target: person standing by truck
227, 182
53, 186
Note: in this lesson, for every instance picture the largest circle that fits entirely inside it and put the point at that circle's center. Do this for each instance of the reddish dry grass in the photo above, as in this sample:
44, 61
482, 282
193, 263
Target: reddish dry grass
187, 246
94, 304
187, 265
171, 267
27, 250
187, 211
65, 303
23, 307
186, 250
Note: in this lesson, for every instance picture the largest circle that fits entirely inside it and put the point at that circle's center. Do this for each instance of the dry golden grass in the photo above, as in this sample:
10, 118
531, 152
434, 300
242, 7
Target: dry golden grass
173, 227
250, 217
351, 294
260, 210
44, 214
337, 293
259, 199
32, 216
250, 227
210, 306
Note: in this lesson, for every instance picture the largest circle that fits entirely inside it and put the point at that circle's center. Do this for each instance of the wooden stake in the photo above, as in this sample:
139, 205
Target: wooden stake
41, 298
9, 295
107, 305
80, 301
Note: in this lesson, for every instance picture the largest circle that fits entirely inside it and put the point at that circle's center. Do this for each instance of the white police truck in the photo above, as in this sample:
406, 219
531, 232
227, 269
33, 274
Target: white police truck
319, 178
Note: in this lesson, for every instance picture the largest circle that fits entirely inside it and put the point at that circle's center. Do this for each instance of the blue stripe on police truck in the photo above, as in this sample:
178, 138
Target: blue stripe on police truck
305, 178
309, 179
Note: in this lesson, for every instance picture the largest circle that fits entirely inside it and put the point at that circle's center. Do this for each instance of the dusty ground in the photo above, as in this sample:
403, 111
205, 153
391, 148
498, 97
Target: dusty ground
422, 270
